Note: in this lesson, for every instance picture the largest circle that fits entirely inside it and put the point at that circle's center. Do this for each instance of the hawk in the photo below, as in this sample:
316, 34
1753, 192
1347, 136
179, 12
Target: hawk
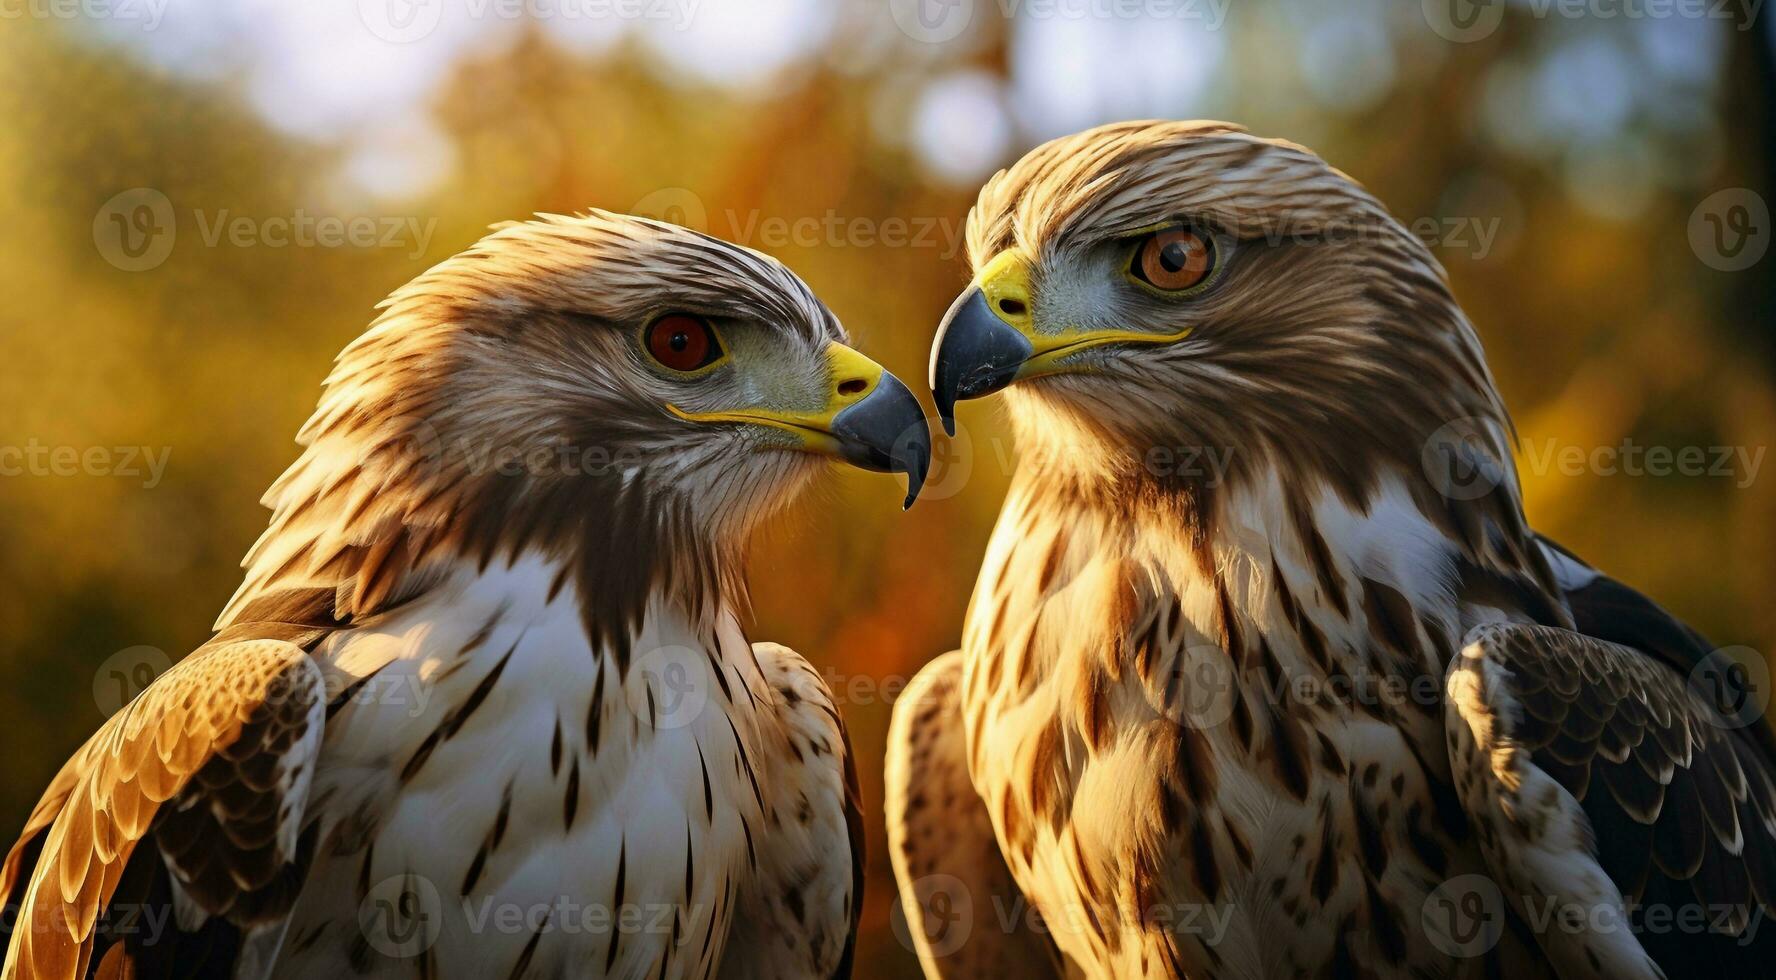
484, 705
1265, 673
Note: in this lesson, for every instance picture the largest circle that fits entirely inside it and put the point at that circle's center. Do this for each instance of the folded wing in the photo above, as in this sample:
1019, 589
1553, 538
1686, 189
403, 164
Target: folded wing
210, 769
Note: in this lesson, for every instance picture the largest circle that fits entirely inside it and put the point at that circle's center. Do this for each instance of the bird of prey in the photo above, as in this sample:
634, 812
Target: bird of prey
484, 705
1265, 674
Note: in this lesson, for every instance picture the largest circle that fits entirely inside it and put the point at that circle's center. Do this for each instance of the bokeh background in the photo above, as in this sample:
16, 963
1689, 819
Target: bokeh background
1594, 176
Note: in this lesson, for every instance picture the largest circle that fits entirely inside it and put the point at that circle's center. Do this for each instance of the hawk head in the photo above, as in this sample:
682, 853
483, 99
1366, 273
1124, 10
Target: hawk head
608, 346
1162, 292
627, 396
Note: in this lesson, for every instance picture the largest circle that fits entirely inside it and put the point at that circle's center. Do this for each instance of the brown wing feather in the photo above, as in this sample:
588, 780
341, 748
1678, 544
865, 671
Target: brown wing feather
952, 876
228, 736
854, 832
1679, 802
796, 914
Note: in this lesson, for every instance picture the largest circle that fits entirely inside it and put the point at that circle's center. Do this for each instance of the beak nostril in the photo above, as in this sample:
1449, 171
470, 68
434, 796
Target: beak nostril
1012, 307
853, 386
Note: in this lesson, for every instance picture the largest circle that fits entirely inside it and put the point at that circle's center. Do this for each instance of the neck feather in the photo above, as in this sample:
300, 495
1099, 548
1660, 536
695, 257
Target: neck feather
362, 524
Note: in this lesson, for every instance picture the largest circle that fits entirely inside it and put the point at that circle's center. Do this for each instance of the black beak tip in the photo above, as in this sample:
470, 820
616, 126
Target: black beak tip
914, 459
888, 432
976, 353
946, 413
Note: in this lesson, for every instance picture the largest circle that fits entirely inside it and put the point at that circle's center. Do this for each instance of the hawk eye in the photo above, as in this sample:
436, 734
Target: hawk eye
683, 342
1173, 259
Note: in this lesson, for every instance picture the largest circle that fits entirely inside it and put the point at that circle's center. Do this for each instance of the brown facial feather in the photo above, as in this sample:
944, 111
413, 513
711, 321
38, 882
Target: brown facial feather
499, 395
1328, 351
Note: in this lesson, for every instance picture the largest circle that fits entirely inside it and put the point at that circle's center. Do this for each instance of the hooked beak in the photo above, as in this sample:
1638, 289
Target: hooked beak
988, 339
976, 353
870, 420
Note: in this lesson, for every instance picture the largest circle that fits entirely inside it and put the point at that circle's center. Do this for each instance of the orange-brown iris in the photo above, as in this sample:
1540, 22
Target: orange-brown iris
682, 342
1176, 258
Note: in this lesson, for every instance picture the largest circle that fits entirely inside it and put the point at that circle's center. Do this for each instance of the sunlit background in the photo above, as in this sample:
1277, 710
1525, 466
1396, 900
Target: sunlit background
1594, 176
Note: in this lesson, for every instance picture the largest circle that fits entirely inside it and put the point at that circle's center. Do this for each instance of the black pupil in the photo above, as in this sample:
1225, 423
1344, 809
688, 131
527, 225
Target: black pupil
1173, 256
679, 341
